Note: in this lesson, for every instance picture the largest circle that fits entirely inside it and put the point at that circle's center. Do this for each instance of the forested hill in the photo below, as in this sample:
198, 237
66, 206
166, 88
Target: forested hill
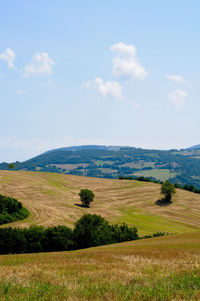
181, 166
194, 147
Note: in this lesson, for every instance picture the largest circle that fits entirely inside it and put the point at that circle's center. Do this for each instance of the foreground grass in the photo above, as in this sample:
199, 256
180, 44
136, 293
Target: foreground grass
52, 199
185, 286
163, 268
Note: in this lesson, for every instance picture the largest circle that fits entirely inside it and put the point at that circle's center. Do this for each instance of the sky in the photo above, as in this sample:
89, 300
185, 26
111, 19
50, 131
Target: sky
98, 72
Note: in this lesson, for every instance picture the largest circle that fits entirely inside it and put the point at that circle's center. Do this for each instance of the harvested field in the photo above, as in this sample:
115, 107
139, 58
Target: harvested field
52, 200
164, 268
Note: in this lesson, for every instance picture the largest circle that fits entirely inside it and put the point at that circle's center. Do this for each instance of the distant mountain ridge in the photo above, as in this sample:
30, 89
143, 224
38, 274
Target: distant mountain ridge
194, 147
83, 147
180, 166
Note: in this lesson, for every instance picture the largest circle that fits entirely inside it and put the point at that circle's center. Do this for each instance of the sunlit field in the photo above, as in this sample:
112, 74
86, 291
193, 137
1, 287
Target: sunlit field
164, 268
52, 199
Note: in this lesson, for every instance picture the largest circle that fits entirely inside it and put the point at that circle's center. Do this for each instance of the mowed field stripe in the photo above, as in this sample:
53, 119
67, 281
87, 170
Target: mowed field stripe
53, 199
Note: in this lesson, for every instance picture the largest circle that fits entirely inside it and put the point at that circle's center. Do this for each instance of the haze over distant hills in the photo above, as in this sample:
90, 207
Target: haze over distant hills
107, 147
194, 147
181, 166
84, 147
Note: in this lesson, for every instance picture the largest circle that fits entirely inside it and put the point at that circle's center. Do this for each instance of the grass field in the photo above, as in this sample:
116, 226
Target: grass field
140, 164
159, 174
163, 268
52, 199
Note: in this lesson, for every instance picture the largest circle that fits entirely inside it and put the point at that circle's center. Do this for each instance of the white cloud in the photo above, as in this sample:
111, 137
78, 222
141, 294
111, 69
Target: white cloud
177, 78
41, 65
125, 63
135, 104
20, 92
177, 98
8, 56
110, 89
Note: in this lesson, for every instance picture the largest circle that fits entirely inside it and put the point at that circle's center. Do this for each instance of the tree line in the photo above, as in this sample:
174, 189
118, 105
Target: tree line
89, 231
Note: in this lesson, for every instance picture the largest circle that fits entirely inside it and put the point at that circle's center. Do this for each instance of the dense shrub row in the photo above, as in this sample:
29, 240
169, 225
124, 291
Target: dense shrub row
157, 234
11, 210
191, 187
90, 230
142, 179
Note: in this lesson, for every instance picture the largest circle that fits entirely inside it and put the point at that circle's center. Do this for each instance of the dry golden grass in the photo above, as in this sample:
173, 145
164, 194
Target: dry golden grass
162, 268
52, 199
124, 260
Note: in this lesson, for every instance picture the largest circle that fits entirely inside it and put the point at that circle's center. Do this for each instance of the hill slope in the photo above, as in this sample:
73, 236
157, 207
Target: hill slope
52, 199
113, 161
163, 268
194, 147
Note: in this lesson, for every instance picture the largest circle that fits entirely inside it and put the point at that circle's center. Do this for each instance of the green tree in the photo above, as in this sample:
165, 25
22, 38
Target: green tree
167, 189
86, 196
92, 230
11, 165
59, 238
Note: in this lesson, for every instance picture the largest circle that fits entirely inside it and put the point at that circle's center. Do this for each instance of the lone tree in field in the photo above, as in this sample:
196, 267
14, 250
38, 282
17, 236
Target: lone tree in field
86, 196
11, 165
167, 189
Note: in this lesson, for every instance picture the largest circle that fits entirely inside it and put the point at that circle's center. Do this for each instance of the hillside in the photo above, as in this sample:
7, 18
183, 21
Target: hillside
194, 147
52, 199
180, 166
163, 268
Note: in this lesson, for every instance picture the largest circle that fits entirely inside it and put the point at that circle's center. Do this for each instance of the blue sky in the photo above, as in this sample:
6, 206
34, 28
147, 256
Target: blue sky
98, 72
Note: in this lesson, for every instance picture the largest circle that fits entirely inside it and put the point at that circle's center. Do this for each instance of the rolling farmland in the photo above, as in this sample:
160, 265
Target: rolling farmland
52, 199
